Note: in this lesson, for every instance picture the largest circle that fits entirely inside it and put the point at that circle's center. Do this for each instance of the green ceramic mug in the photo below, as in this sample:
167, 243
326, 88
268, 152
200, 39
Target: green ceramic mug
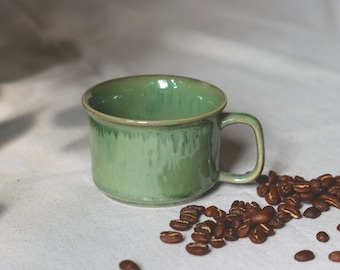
155, 139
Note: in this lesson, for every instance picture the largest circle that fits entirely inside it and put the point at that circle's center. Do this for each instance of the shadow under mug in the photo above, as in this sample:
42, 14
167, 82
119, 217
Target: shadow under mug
155, 139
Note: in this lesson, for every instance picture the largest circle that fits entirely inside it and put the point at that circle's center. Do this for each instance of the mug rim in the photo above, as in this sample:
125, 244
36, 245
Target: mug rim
134, 122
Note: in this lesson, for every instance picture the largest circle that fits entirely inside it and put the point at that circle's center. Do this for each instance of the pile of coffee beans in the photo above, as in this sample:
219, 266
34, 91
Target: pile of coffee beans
285, 196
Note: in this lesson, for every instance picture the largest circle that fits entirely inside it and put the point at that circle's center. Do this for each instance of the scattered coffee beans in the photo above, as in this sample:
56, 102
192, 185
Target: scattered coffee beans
304, 255
128, 265
171, 237
249, 220
334, 256
322, 236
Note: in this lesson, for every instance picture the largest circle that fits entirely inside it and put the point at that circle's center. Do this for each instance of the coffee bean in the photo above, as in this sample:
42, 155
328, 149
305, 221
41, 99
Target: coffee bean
219, 230
128, 265
206, 227
260, 216
189, 217
334, 256
180, 225
312, 212
198, 249
200, 237
306, 197
230, 234
302, 187
322, 236
262, 190
199, 208
257, 236
285, 188
293, 200
210, 211
276, 223
285, 217
189, 210
262, 179
304, 255
293, 211
217, 242
267, 229
219, 214
171, 237
334, 190
320, 204
243, 230
272, 197
272, 177
331, 200
338, 227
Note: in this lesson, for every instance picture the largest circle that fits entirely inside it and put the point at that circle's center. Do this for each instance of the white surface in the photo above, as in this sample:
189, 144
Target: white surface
278, 60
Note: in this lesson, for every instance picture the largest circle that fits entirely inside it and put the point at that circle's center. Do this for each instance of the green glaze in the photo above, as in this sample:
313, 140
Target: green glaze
155, 138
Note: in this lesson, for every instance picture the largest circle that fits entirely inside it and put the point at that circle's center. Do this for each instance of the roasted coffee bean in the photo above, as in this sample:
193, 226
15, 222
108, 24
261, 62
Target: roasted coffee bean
217, 242
236, 223
210, 211
331, 200
328, 182
199, 208
290, 209
316, 186
285, 217
285, 178
180, 225
190, 217
306, 197
262, 179
206, 227
276, 223
272, 197
320, 204
334, 190
272, 177
257, 236
302, 187
252, 207
243, 230
219, 230
270, 210
334, 256
324, 176
189, 210
312, 212
304, 255
198, 249
128, 265
238, 210
267, 229
293, 200
230, 234
262, 190
219, 214
171, 237
285, 188
260, 216
200, 237
322, 236
338, 227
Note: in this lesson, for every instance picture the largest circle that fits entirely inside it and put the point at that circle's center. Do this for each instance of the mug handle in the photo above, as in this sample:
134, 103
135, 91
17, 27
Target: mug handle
243, 118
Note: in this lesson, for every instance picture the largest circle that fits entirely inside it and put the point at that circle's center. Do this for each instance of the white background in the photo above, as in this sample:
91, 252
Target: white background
278, 60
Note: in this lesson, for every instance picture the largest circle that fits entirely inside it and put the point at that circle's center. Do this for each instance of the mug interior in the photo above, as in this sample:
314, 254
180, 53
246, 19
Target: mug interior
154, 98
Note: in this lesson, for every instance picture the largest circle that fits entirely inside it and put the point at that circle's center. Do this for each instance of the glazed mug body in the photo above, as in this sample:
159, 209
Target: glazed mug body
155, 139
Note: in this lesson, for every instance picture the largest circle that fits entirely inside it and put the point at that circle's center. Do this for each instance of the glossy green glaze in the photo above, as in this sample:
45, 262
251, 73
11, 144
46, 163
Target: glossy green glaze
155, 138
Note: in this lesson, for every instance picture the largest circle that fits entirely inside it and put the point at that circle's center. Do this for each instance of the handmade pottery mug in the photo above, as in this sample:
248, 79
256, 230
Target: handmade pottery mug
155, 139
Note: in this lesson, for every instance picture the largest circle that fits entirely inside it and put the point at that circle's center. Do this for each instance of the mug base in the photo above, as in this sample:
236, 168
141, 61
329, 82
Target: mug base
155, 203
